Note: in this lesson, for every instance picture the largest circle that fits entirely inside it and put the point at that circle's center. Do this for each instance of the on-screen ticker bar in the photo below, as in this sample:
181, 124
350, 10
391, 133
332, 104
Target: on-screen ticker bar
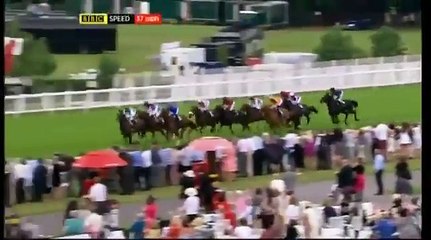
103, 18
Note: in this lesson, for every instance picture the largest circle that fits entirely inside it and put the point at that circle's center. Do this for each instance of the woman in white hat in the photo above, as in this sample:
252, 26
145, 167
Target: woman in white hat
187, 181
192, 204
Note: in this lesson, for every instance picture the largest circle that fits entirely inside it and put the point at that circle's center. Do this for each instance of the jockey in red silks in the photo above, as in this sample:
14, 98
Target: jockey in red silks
228, 104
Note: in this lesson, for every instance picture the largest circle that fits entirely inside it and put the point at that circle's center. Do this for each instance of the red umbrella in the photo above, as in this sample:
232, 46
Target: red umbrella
100, 159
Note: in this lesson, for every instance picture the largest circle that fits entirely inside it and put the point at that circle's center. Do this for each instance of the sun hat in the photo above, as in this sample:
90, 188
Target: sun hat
189, 173
191, 192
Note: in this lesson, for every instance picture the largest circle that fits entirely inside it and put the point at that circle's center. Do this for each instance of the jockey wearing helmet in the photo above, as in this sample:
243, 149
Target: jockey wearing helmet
153, 109
130, 114
256, 102
284, 95
295, 99
174, 110
228, 104
276, 104
337, 94
203, 105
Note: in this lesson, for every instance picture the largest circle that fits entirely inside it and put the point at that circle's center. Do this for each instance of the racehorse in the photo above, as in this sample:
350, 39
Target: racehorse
273, 118
177, 127
150, 124
225, 117
304, 111
203, 119
249, 114
126, 128
336, 108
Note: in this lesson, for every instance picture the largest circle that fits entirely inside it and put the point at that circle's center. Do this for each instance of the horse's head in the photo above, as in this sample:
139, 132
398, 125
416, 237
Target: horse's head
245, 107
120, 115
326, 98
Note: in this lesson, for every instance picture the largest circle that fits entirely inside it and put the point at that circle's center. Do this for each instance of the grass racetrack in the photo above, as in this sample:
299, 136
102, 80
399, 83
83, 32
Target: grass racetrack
136, 44
73, 132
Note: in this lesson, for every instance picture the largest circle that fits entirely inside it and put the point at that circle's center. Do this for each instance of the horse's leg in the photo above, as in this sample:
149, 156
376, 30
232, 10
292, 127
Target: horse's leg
355, 115
308, 118
231, 130
345, 118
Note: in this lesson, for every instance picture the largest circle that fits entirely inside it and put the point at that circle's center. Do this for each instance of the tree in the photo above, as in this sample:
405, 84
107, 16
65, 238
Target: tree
387, 42
108, 67
335, 45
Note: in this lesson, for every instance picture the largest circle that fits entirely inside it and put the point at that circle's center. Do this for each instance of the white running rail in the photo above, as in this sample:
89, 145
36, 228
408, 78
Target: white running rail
254, 84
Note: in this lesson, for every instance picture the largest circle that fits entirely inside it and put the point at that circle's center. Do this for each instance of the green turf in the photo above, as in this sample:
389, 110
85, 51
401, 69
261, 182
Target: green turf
137, 43
308, 176
40, 135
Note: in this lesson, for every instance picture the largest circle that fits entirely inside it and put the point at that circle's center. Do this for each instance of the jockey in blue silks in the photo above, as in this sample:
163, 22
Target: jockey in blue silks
174, 111
337, 94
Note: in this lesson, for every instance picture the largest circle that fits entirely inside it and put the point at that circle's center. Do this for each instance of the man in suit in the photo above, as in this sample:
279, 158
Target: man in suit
39, 181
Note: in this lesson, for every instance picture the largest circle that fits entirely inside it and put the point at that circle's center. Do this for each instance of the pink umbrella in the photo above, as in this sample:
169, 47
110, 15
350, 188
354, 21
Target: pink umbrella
218, 144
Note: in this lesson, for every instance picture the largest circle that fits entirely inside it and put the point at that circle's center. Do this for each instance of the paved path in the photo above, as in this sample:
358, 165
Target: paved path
314, 192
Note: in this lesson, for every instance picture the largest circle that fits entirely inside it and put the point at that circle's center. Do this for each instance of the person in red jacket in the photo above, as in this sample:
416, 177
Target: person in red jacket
228, 104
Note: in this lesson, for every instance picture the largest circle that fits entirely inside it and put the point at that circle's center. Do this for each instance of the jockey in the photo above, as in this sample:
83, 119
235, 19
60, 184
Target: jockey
174, 110
129, 113
284, 95
153, 109
276, 104
228, 104
295, 99
337, 94
203, 105
256, 102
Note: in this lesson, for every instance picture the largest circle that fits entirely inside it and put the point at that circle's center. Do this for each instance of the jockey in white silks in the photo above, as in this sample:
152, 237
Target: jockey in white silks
130, 114
203, 105
295, 99
153, 109
256, 102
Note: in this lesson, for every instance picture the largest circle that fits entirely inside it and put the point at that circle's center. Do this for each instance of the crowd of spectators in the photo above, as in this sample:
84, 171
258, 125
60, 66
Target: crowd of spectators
277, 213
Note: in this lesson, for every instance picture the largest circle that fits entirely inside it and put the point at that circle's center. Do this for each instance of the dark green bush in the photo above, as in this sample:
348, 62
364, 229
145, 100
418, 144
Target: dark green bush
108, 67
335, 45
387, 42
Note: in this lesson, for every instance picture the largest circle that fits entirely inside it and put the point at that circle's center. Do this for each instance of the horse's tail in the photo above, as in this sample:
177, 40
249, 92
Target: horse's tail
354, 103
313, 109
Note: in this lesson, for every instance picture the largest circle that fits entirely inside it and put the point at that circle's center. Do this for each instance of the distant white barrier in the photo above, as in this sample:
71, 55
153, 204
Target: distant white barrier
258, 84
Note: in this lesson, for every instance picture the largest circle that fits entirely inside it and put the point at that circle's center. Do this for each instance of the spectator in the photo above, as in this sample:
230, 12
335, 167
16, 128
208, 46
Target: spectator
185, 160
93, 224
379, 167
290, 140
243, 230
187, 181
221, 204
138, 164
71, 206
88, 183
244, 147
385, 227
292, 212
258, 155
417, 136
73, 224
403, 174
191, 204
19, 173
289, 178
381, 133
138, 227
175, 227
114, 214
39, 181
146, 168
150, 209
350, 142
359, 182
83, 209
328, 210
346, 179
206, 192
166, 155
275, 230
269, 208
344, 209
229, 214
406, 227
311, 222
291, 231
98, 193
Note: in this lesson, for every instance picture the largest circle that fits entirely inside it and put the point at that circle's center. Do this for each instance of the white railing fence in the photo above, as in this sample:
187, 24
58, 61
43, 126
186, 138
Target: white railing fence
156, 78
397, 74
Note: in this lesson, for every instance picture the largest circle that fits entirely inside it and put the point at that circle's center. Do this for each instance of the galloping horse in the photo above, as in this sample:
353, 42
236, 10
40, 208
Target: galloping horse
304, 111
225, 117
249, 114
273, 118
126, 128
336, 108
177, 127
150, 124
203, 119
